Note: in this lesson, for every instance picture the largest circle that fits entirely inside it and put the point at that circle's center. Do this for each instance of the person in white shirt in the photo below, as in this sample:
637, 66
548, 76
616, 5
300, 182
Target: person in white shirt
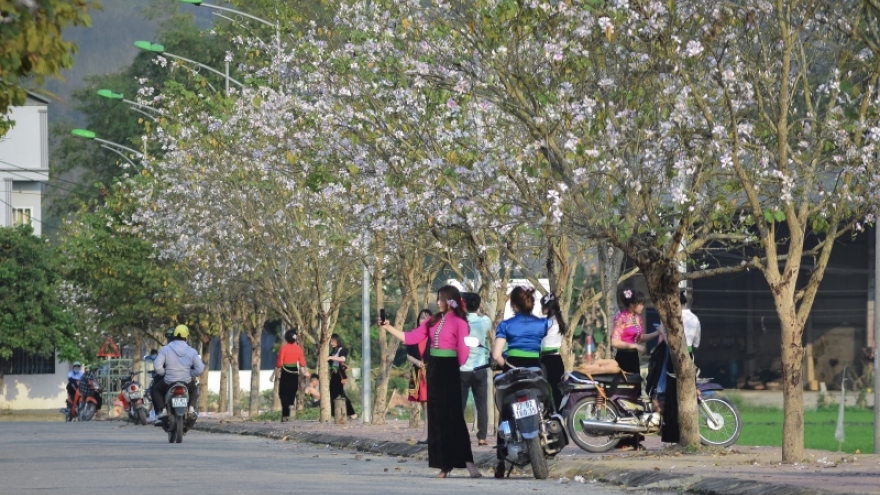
474, 375
692, 328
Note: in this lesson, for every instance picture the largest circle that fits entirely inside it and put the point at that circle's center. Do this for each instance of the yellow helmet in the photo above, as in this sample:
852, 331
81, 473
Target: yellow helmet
181, 331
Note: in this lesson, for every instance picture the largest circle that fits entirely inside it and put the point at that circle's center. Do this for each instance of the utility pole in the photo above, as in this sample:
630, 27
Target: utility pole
366, 376
876, 336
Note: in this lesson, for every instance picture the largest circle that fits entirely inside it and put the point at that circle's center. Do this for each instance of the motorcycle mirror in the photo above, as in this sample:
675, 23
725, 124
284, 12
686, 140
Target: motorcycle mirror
472, 342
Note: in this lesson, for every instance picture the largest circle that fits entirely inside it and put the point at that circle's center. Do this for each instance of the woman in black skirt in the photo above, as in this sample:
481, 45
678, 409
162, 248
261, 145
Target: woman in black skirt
338, 354
551, 360
449, 443
628, 336
290, 363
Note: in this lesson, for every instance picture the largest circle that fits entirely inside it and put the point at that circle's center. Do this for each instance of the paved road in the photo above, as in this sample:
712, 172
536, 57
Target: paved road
110, 457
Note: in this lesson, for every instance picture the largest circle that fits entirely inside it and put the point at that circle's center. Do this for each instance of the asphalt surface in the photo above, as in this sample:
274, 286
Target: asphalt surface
112, 457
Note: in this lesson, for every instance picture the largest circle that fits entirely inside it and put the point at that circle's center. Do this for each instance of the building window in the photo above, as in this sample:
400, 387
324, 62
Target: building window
23, 363
21, 216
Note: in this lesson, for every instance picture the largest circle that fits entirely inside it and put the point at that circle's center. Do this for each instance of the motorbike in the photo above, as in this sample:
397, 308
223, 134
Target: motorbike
181, 415
134, 399
602, 410
83, 408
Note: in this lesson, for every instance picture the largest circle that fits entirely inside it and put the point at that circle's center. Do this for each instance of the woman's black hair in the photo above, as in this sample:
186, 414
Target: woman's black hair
682, 298
290, 336
452, 296
523, 298
338, 340
550, 304
631, 297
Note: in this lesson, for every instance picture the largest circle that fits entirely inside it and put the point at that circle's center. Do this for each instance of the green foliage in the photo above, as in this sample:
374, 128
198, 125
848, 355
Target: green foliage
32, 45
32, 316
114, 120
116, 267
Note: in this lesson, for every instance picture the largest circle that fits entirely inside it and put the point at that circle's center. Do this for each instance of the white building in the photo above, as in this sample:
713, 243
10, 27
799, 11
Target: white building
29, 382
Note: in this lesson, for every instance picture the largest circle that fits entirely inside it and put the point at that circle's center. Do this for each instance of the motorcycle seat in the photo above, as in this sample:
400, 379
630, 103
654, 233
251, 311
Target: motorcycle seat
630, 378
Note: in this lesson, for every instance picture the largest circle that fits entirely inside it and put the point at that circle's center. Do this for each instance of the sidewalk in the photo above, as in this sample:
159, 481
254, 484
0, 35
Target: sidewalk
738, 470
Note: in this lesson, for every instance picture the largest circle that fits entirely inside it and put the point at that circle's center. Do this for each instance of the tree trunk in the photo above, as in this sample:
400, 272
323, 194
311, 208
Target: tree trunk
662, 279
326, 413
611, 262
792, 383
223, 403
415, 411
256, 356
236, 376
206, 358
254, 320
380, 397
276, 399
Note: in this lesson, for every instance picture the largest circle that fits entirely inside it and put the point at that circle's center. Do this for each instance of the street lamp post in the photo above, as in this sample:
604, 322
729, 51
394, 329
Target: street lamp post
137, 107
87, 134
199, 3
160, 49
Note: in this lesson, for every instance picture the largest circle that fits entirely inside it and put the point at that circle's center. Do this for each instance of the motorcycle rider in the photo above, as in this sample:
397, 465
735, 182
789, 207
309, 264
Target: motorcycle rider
522, 335
73, 378
169, 337
177, 362
85, 390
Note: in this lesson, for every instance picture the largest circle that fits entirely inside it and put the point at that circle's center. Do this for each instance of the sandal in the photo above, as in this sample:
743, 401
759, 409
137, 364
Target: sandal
442, 474
482, 443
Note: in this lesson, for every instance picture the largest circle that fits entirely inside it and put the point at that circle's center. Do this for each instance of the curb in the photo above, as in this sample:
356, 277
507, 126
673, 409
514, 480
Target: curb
640, 479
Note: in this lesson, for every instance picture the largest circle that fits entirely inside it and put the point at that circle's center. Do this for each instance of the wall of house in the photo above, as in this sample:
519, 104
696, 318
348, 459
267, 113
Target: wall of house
29, 195
26, 144
45, 391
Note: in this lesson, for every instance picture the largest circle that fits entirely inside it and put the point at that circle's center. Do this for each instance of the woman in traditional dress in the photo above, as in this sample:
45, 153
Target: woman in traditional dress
449, 443
291, 362
338, 374
628, 336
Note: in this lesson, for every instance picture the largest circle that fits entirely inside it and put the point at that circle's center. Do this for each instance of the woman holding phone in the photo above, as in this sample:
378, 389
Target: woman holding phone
449, 443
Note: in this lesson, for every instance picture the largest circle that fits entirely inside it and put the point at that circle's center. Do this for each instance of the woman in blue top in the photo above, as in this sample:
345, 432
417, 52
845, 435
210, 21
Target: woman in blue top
522, 334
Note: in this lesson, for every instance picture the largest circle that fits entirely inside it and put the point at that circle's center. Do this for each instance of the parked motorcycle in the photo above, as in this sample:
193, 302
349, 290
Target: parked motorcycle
83, 408
134, 399
602, 410
181, 415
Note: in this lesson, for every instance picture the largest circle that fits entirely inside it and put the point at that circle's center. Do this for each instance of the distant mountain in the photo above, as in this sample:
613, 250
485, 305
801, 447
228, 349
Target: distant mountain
107, 46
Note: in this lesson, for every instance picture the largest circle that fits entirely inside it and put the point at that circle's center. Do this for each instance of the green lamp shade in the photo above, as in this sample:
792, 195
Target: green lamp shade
194, 2
83, 133
149, 46
108, 93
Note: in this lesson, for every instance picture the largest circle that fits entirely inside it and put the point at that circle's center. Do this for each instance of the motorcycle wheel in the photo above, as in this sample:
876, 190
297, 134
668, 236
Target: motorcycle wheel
88, 412
142, 416
172, 433
536, 457
587, 408
178, 430
724, 425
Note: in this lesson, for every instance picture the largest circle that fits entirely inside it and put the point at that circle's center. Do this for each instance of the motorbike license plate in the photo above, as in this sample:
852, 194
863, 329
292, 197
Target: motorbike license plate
135, 396
179, 402
525, 409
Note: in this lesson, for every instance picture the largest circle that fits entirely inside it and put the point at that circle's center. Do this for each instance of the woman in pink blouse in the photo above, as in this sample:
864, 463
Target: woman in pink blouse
449, 443
628, 336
